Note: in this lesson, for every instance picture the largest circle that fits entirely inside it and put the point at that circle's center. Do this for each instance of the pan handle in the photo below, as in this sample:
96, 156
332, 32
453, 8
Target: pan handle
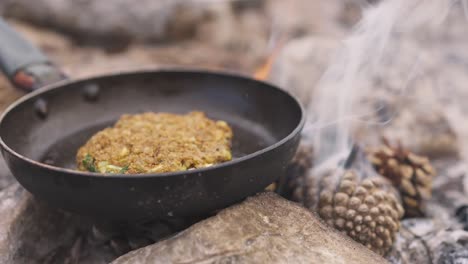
25, 65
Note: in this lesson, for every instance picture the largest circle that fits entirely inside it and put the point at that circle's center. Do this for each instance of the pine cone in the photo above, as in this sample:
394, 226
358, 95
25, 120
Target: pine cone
296, 171
411, 174
368, 211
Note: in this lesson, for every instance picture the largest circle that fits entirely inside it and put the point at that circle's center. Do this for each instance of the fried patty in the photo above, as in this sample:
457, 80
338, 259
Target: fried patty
156, 143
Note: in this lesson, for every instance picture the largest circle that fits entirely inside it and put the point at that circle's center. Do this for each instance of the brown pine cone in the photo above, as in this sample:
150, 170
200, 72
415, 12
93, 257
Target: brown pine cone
367, 210
411, 174
296, 171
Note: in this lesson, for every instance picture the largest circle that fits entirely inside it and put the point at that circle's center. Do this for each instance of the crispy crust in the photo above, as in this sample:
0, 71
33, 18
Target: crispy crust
156, 143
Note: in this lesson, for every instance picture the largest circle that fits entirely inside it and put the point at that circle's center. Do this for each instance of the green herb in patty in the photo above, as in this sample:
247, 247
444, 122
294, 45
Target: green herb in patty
88, 163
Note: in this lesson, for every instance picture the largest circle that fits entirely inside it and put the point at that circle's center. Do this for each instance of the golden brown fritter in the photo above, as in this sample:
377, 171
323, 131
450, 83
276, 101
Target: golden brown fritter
156, 143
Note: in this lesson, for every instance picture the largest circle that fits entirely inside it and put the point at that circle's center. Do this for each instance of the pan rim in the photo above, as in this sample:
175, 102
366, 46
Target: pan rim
172, 69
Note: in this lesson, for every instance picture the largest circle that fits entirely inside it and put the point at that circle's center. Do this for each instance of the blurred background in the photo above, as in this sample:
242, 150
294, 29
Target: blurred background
90, 37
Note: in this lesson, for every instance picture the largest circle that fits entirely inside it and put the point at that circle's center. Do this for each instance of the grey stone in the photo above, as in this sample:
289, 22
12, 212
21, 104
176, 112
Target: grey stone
426, 241
120, 20
30, 231
262, 229
6, 179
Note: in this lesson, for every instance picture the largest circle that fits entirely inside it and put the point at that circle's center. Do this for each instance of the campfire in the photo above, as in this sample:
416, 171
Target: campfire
379, 173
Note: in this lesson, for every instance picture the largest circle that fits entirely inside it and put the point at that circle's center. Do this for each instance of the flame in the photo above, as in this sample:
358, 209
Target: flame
263, 72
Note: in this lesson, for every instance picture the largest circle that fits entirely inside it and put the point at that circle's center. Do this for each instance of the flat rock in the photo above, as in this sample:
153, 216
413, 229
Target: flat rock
34, 233
31, 232
263, 229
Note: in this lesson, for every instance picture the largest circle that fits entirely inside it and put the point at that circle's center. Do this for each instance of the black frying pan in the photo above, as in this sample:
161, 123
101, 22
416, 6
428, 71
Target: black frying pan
41, 132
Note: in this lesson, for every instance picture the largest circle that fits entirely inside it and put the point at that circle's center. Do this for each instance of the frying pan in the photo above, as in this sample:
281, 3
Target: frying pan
41, 132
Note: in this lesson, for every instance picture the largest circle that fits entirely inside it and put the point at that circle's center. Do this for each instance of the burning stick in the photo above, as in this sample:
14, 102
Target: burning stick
351, 157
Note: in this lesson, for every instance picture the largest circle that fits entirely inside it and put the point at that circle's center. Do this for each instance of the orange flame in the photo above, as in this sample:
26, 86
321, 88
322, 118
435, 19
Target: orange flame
263, 72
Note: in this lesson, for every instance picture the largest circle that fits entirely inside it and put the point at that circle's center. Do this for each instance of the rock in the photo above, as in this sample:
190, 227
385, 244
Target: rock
10, 199
462, 216
31, 232
85, 61
262, 229
304, 17
450, 190
120, 21
425, 241
6, 179
237, 28
299, 17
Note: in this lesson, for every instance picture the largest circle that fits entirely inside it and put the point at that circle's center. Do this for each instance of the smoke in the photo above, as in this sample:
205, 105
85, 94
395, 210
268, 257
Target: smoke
370, 51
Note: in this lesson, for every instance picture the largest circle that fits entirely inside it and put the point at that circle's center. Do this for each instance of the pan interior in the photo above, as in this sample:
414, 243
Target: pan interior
259, 114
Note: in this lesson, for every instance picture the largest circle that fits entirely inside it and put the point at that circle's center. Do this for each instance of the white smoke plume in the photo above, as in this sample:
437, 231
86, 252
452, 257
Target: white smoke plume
363, 55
